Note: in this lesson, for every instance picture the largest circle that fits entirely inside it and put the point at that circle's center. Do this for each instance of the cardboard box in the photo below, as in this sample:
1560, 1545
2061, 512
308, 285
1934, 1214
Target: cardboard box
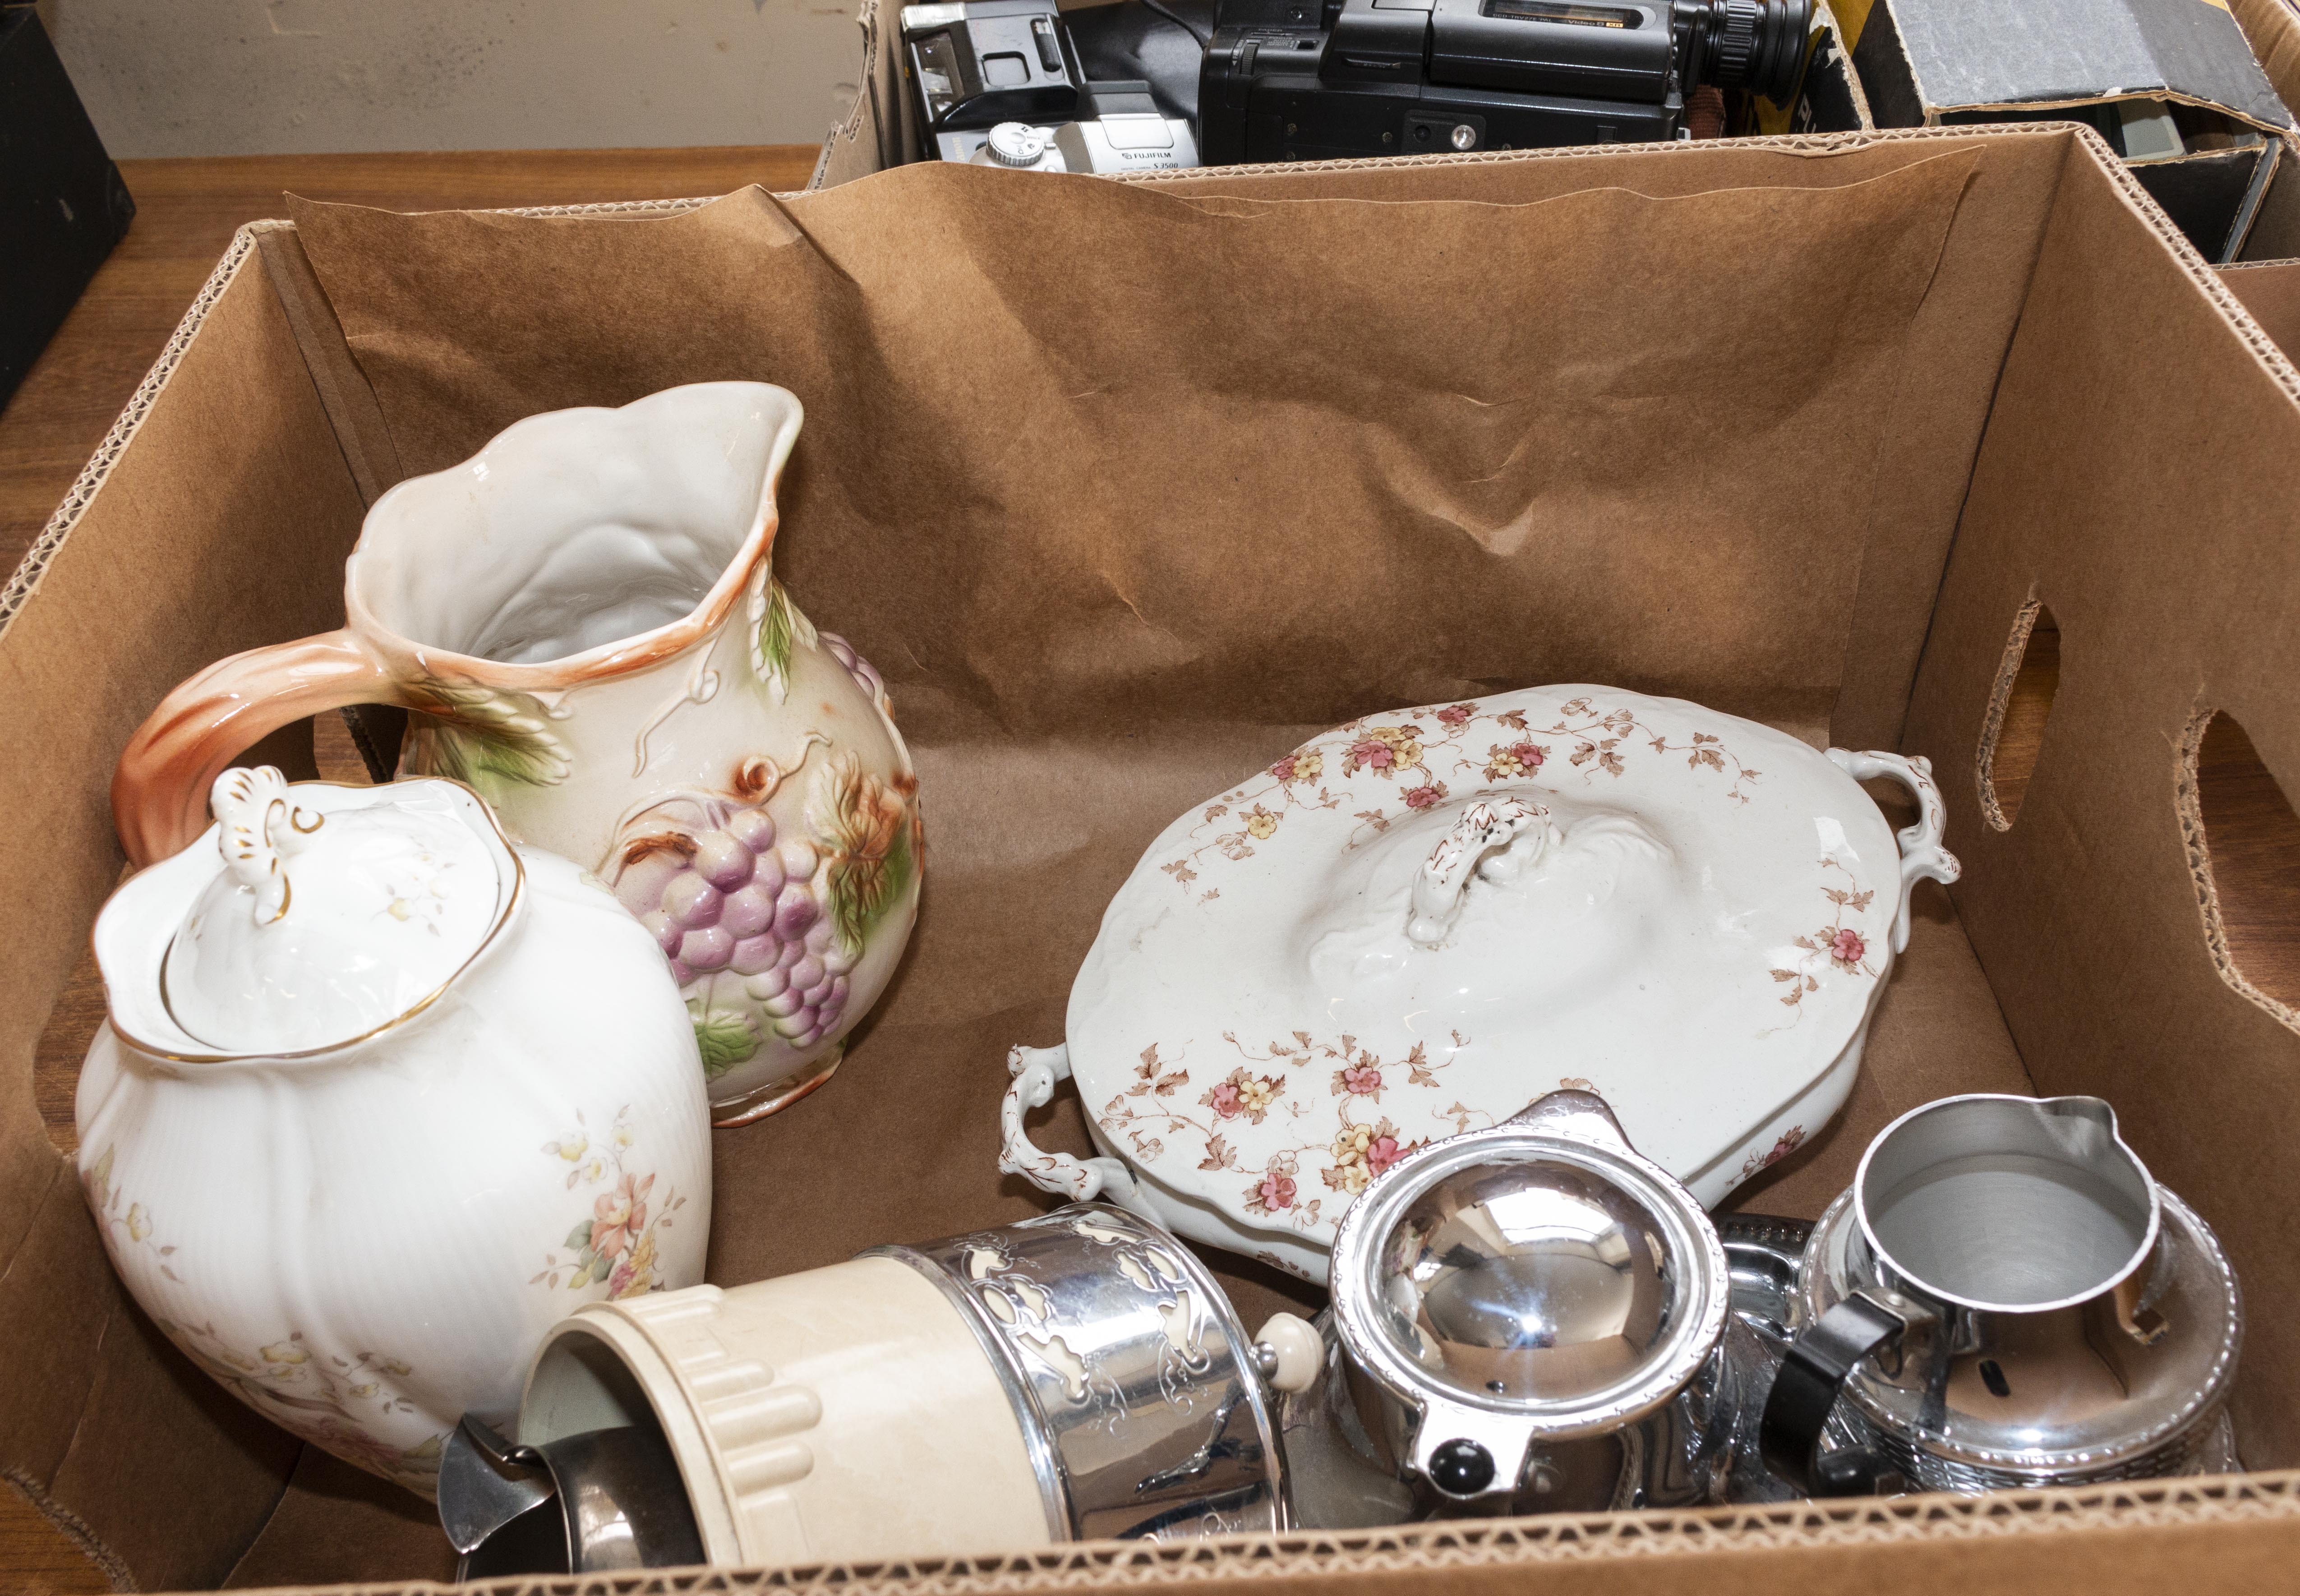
1373, 434
2173, 84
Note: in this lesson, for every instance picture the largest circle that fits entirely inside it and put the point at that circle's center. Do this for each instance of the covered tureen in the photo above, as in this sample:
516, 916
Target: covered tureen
1413, 925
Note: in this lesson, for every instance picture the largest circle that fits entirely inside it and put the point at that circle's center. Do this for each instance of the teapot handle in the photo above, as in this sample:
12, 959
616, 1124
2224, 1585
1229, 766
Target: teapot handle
160, 791
1812, 1371
1036, 1071
1922, 856
1445, 876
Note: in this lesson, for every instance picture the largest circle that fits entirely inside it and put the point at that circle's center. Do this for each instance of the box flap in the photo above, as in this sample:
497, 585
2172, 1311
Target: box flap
1972, 53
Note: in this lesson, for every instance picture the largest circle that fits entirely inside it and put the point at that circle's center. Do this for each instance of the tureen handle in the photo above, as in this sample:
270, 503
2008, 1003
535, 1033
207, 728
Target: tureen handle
1036, 1071
1445, 876
1922, 856
257, 830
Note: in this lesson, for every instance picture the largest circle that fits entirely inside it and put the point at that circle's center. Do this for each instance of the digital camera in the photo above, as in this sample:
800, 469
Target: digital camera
975, 63
1133, 137
1316, 79
998, 83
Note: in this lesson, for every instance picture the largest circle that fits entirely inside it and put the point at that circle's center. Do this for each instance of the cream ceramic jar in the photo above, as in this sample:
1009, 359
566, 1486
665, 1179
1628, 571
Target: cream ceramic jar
380, 1098
1417, 923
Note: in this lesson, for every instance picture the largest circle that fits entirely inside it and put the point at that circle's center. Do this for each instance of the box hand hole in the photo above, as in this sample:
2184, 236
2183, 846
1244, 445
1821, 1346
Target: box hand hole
2013, 734
2244, 853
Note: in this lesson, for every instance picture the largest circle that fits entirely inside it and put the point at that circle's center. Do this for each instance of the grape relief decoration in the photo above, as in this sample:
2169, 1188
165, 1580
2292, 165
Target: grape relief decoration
763, 924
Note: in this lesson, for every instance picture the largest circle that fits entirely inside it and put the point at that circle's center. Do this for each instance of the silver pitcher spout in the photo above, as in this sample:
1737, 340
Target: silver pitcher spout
2004, 1297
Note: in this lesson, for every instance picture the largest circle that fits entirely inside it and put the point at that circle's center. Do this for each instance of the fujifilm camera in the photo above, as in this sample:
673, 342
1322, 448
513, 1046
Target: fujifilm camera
998, 83
1316, 79
1129, 140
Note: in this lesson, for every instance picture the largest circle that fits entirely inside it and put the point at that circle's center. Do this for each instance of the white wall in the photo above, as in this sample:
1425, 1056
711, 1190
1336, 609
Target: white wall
275, 77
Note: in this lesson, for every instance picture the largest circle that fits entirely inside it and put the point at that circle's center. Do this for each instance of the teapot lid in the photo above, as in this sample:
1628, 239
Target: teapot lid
337, 910
1537, 1279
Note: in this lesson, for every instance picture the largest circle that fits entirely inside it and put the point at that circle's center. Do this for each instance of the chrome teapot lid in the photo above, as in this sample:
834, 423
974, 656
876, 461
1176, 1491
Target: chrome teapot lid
1536, 1281
336, 911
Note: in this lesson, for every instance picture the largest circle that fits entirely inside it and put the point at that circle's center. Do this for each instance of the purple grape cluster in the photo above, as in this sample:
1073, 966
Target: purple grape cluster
731, 900
865, 675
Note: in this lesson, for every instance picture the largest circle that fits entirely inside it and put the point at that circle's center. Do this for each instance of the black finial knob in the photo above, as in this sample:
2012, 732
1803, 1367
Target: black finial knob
1461, 1467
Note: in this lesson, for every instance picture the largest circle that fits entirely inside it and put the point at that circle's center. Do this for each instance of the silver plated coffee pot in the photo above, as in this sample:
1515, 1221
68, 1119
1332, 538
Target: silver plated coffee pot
2004, 1297
1526, 1319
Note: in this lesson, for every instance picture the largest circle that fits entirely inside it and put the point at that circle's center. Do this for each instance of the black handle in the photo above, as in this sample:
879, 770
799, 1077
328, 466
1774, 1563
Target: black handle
1811, 1373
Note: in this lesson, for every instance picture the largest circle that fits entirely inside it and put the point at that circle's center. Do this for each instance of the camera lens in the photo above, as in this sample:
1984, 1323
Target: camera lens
1755, 45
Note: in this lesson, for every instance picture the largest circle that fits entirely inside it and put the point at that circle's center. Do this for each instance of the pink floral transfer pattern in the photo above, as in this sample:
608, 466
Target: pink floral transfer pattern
1419, 760
1313, 1173
1831, 946
1663, 799
615, 1240
338, 1401
1789, 1141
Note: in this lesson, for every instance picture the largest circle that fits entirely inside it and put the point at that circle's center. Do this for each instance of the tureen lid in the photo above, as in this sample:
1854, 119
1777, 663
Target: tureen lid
1415, 922
329, 918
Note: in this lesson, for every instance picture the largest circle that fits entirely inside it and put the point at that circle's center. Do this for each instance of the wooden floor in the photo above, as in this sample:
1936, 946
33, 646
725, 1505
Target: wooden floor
187, 211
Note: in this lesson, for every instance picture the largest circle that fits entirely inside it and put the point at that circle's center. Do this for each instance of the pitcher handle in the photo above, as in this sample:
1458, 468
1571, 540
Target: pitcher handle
160, 789
1037, 1071
1922, 856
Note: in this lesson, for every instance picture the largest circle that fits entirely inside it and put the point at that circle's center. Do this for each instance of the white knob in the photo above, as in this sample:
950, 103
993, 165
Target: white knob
1297, 1352
1016, 144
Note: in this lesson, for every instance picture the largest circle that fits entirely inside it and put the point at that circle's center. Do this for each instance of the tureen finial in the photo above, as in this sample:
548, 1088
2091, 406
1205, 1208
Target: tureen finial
1445, 876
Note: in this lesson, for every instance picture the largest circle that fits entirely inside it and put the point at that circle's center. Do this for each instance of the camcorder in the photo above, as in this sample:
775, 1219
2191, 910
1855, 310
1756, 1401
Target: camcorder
1299, 80
1323, 79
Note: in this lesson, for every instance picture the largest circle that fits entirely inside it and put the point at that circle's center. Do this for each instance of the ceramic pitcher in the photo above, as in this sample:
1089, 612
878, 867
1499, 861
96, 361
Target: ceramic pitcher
584, 620
380, 1098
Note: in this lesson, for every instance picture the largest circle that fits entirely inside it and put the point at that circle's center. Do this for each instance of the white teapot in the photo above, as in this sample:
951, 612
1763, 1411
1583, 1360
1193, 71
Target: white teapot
381, 1099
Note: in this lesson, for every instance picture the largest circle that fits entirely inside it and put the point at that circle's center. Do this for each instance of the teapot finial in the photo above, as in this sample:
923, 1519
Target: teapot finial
250, 807
367, 902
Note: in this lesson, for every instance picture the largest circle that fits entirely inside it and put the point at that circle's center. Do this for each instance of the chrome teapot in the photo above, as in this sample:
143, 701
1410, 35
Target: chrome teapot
2004, 1297
1530, 1318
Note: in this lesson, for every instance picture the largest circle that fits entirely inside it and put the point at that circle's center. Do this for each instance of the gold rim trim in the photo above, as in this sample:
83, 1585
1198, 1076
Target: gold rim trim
510, 906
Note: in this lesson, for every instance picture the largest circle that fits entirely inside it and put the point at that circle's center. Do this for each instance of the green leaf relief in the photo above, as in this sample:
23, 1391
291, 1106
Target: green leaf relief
724, 1037
861, 891
486, 740
782, 630
867, 830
